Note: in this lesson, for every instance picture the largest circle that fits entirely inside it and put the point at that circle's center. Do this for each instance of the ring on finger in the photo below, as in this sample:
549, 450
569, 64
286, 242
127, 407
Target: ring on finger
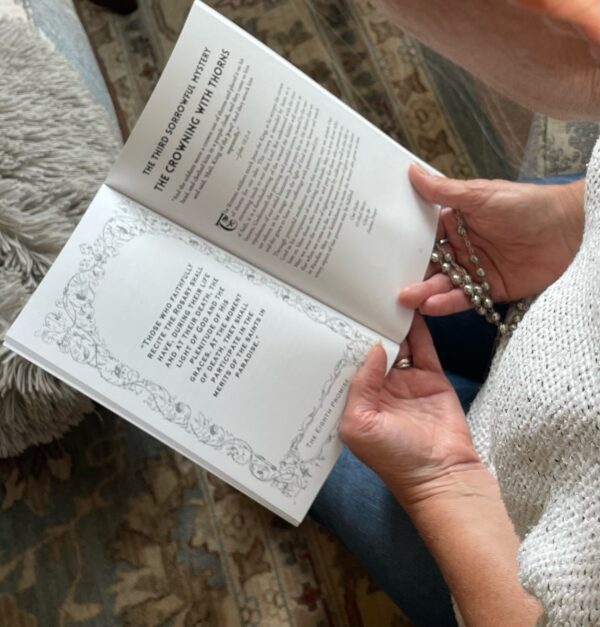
402, 363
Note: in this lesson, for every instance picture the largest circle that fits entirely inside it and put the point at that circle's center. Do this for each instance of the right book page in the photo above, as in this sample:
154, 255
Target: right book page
240, 147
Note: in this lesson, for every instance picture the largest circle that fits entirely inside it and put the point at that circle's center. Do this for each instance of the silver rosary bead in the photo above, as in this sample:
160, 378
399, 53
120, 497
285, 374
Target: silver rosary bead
477, 292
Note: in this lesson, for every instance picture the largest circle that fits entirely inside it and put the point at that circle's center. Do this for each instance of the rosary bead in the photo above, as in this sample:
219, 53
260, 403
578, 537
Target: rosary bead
456, 278
435, 257
477, 289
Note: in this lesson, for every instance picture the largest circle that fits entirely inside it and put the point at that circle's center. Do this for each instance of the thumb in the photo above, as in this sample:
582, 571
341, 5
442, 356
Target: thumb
367, 383
439, 190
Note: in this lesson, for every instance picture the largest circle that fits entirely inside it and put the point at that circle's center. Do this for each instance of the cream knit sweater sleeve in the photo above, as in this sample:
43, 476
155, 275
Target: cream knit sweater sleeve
536, 424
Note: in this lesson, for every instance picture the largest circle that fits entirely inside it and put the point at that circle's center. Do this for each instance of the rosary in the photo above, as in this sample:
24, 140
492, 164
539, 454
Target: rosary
477, 289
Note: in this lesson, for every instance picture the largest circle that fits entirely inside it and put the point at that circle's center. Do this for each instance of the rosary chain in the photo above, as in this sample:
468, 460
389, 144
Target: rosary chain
477, 289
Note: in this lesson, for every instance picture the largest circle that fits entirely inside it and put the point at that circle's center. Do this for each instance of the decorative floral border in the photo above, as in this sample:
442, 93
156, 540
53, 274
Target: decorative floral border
73, 329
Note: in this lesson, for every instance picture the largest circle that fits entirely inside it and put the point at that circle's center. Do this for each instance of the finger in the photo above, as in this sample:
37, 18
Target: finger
413, 296
445, 304
368, 381
424, 355
465, 195
404, 350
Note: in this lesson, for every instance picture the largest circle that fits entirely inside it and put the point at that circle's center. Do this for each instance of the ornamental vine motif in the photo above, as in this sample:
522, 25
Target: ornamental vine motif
73, 329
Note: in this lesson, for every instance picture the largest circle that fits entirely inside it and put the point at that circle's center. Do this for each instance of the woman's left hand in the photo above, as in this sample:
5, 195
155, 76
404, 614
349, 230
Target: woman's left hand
408, 426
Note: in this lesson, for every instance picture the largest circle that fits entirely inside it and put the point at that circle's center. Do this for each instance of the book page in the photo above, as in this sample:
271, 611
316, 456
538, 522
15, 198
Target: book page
242, 374
240, 147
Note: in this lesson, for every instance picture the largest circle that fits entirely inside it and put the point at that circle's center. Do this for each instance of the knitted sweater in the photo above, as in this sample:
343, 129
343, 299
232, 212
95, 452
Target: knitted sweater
536, 424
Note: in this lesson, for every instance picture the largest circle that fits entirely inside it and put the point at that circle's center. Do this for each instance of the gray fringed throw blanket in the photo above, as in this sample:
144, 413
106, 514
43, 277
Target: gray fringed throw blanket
56, 146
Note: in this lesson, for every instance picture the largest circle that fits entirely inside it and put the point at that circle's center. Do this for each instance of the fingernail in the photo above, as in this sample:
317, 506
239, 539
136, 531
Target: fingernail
421, 169
376, 344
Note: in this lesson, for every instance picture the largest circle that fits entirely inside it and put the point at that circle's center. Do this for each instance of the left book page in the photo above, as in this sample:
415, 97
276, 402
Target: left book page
237, 371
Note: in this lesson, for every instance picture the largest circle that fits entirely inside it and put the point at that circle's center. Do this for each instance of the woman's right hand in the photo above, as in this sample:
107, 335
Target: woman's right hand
525, 236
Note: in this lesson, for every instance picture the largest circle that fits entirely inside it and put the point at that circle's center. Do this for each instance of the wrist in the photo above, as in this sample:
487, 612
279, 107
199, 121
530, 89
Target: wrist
571, 199
464, 523
456, 483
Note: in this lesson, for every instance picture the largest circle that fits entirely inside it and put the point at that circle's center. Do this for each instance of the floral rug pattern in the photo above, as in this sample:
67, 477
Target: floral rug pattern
109, 527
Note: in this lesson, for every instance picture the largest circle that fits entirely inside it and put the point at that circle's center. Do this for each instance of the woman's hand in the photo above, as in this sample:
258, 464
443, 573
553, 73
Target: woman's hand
410, 429
408, 426
524, 235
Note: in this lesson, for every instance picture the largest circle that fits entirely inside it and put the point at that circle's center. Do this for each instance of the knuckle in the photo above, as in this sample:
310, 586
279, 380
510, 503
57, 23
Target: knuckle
475, 192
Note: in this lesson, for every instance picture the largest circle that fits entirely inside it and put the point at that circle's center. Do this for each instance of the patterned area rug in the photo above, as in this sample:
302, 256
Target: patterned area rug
108, 527
421, 100
428, 104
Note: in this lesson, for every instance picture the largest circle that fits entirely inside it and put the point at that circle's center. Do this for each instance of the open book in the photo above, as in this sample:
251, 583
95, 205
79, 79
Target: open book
230, 276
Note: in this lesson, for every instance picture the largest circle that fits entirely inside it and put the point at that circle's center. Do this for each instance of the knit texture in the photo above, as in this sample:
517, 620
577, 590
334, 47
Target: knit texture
536, 424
